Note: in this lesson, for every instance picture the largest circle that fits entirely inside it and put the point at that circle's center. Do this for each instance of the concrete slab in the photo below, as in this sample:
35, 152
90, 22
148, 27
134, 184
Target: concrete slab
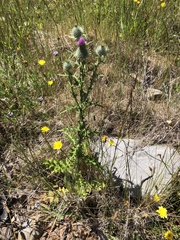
134, 163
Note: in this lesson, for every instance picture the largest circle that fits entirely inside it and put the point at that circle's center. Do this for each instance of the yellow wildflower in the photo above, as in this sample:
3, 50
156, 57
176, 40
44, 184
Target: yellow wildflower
50, 82
44, 129
111, 142
104, 138
126, 203
162, 212
156, 198
41, 62
57, 145
137, 1
163, 4
168, 235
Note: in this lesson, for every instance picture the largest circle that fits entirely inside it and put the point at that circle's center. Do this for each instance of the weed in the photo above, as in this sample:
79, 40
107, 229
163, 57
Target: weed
57, 95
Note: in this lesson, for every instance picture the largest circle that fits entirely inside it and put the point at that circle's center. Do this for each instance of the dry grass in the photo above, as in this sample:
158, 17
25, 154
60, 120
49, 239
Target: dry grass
126, 111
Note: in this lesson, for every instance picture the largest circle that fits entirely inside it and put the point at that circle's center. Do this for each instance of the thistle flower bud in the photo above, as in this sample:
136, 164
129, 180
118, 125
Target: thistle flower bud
81, 53
101, 50
67, 66
77, 32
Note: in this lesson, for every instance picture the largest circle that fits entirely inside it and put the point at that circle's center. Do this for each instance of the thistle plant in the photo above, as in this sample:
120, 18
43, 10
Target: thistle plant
81, 84
80, 167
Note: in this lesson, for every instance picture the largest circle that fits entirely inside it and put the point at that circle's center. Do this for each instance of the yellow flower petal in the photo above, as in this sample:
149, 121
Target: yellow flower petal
137, 1
126, 203
45, 129
156, 198
50, 82
57, 145
111, 142
168, 235
162, 212
41, 62
163, 4
104, 138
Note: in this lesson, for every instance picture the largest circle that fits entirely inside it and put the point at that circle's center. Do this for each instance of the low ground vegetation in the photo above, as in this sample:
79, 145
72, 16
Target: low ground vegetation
71, 73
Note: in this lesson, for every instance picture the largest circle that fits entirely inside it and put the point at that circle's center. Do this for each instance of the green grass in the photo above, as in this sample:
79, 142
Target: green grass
137, 35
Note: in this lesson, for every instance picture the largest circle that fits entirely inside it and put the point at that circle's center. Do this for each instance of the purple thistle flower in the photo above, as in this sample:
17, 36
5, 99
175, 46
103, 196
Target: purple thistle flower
81, 41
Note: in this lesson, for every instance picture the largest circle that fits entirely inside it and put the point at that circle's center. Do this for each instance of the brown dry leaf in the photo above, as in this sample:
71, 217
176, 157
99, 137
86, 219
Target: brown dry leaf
29, 231
144, 215
55, 232
114, 217
6, 233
